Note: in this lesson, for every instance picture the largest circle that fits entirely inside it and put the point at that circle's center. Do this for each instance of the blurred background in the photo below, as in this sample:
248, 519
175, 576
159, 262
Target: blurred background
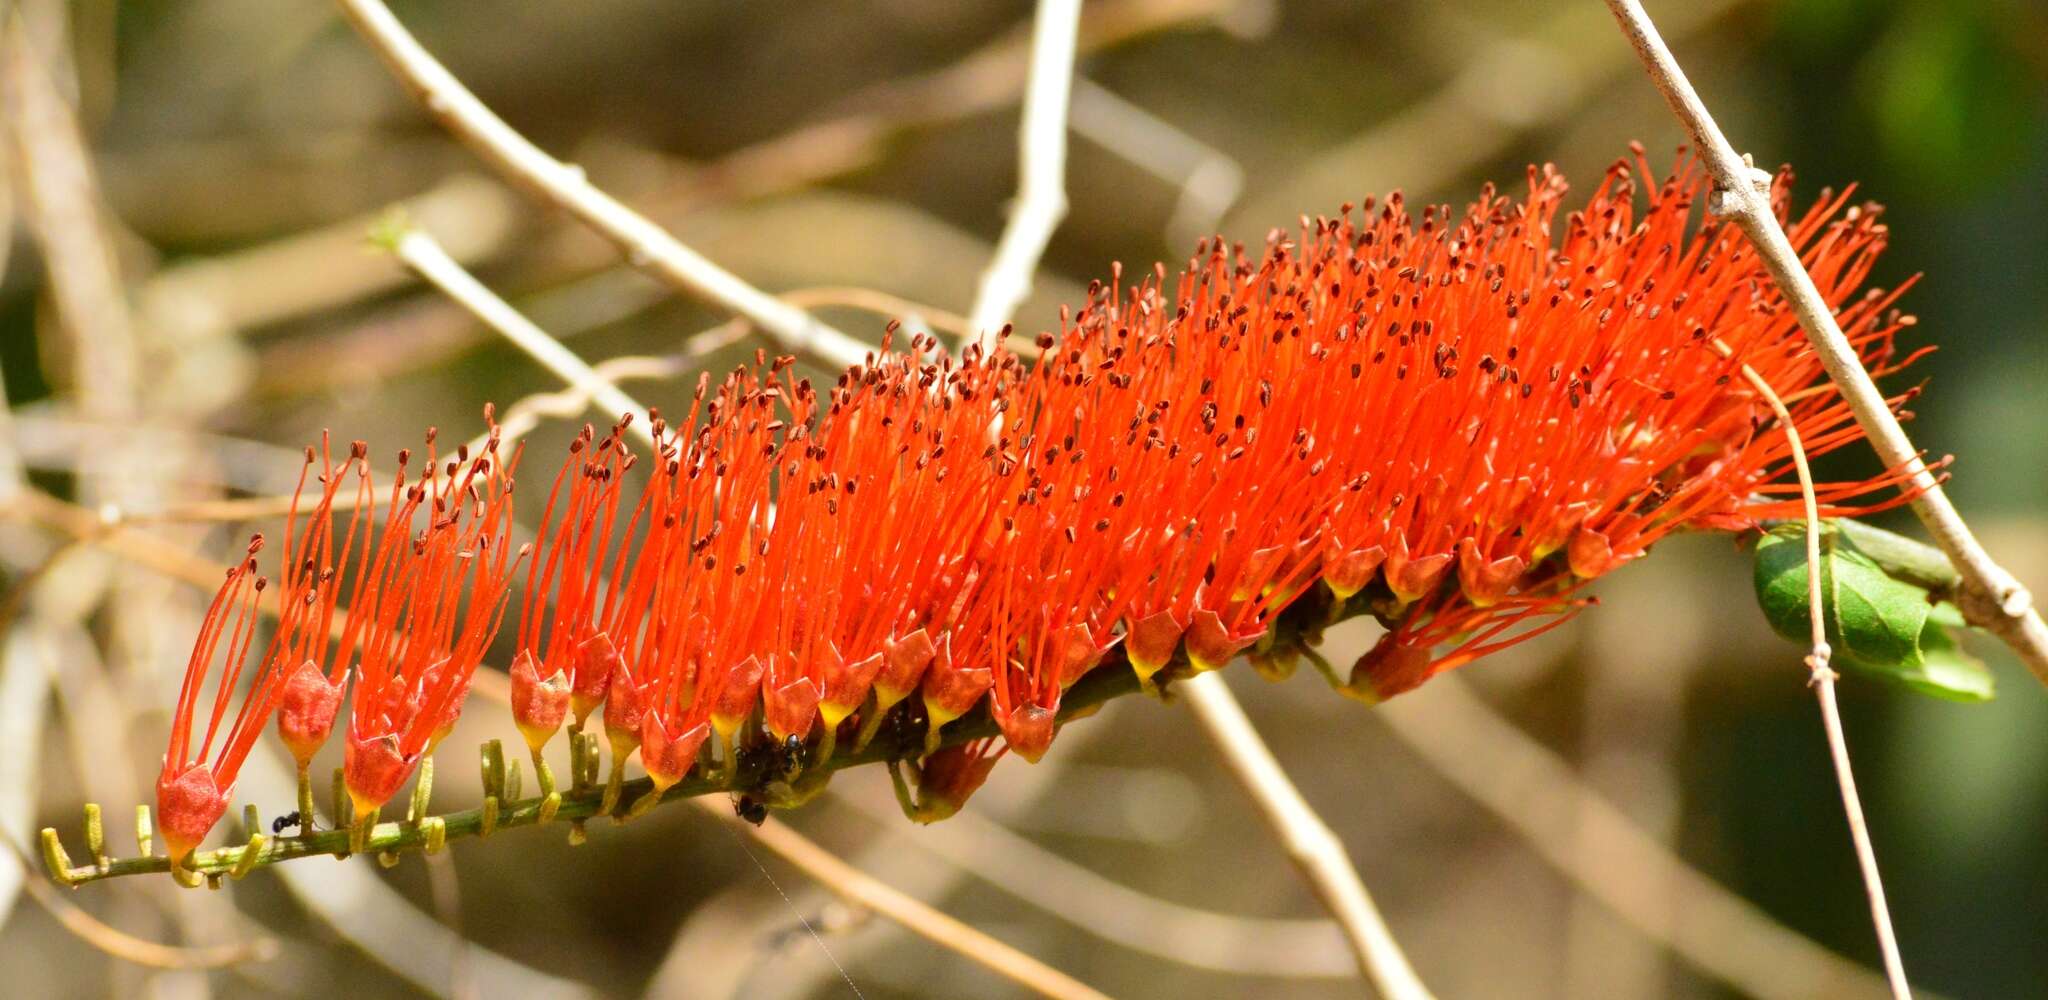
1639, 805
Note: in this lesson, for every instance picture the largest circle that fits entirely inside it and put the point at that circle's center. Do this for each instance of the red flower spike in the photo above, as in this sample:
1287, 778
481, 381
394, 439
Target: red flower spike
1374, 397
538, 706
306, 709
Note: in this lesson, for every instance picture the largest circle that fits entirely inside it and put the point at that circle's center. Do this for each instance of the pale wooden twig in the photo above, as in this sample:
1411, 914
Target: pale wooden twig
1309, 842
425, 256
61, 205
858, 887
1991, 598
1822, 680
1209, 180
644, 243
1041, 169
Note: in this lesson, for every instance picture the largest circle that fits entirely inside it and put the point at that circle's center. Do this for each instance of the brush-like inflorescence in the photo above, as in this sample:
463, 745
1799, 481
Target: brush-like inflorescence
1451, 425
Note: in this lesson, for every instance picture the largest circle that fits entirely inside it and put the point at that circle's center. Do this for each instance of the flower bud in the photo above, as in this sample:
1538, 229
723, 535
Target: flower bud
667, 757
374, 768
736, 699
846, 684
597, 660
791, 709
1028, 728
1075, 652
1149, 642
1484, 582
306, 707
1211, 645
1352, 572
904, 663
1389, 668
187, 806
951, 690
538, 706
950, 776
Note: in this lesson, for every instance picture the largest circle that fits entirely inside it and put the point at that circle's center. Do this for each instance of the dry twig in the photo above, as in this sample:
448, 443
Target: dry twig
1041, 168
1309, 842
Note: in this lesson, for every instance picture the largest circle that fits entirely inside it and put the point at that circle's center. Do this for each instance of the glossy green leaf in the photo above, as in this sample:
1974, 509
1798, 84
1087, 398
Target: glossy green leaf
1876, 624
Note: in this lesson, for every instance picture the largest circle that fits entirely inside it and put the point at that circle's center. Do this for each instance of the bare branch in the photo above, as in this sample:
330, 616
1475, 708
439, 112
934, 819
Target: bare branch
1307, 839
1823, 683
1041, 167
422, 254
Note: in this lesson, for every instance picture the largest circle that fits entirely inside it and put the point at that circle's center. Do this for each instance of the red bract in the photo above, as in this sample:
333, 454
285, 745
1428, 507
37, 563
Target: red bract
421, 640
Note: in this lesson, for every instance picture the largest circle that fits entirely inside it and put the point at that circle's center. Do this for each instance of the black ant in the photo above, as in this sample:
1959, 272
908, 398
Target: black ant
751, 809
288, 819
792, 753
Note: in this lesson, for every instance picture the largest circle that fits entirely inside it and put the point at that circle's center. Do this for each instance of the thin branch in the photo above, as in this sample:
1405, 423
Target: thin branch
1991, 597
1209, 181
862, 889
1041, 168
564, 185
424, 255
1823, 683
1309, 842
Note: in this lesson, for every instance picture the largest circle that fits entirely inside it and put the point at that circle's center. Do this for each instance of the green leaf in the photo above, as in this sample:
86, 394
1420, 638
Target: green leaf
1876, 624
